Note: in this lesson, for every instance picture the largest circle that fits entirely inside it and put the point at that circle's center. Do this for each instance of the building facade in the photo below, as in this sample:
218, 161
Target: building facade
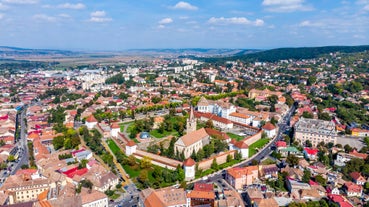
315, 131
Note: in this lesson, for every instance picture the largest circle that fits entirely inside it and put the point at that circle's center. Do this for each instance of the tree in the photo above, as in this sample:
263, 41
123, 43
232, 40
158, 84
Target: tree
347, 148
145, 163
237, 156
209, 124
58, 142
324, 116
311, 80
86, 184
200, 155
292, 160
308, 143
229, 158
11, 158
319, 179
214, 164
307, 115
143, 178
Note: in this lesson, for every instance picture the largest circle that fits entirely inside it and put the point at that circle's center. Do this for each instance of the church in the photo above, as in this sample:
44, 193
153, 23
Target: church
193, 140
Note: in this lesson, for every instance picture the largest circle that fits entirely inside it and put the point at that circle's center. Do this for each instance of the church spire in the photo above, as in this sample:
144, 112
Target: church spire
191, 122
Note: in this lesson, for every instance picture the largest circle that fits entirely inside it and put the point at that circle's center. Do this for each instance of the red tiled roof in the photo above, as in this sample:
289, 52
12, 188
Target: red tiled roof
115, 126
131, 143
91, 118
75, 171
311, 151
212, 117
189, 162
241, 145
355, 175
281, 144
203, 187
26, 171
352, 187
357, 154
268, 126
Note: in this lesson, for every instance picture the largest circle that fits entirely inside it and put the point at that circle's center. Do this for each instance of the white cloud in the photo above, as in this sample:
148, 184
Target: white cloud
66, 16
44, 17
21, 1
71, 6
3, 7
185, 6
166, 21
308, 23
235, 20
1, 16
366, 8
286, 5
99, 16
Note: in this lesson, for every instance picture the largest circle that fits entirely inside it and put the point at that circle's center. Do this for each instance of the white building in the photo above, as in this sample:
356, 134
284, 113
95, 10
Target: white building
131, 148
91, 122
270, 130
218, 108
189, 168
115, 129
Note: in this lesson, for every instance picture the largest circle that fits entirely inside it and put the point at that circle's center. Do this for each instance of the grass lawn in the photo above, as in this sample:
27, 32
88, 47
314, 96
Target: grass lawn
156, 134
131, 172
113, 146
268, 161
227, 164
235, 136
257, 145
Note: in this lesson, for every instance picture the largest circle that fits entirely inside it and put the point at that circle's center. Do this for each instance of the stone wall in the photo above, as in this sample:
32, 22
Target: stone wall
221, 158
251, 139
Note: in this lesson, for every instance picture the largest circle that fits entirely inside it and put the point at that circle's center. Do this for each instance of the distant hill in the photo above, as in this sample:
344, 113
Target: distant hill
23, 52
191, 52
290, 53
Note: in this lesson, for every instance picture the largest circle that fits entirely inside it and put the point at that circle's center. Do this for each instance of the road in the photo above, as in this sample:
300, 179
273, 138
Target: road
22, 142
282, 127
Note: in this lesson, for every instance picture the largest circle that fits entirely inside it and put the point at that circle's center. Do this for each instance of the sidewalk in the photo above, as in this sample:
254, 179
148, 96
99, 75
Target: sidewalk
117, 165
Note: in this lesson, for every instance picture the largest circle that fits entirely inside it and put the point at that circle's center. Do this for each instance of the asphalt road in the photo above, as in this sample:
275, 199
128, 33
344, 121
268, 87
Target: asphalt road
22, 143
283, 126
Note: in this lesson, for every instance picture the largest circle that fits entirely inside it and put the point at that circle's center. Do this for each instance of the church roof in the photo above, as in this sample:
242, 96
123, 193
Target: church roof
192, 137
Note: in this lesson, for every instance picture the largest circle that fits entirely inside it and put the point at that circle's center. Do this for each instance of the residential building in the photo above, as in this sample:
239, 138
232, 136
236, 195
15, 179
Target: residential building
296, 186
93, 198
240, 118
25, 187
239, 177
202, 194
353, 190
315, 131
164, 197
357, 178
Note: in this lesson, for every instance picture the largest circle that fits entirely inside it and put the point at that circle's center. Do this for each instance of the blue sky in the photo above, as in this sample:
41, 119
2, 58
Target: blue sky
134, 24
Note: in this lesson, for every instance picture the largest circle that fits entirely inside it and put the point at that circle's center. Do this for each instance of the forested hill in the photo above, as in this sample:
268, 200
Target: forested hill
291, 53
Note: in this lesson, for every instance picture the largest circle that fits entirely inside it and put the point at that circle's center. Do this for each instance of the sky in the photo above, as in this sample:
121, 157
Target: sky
105, 25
